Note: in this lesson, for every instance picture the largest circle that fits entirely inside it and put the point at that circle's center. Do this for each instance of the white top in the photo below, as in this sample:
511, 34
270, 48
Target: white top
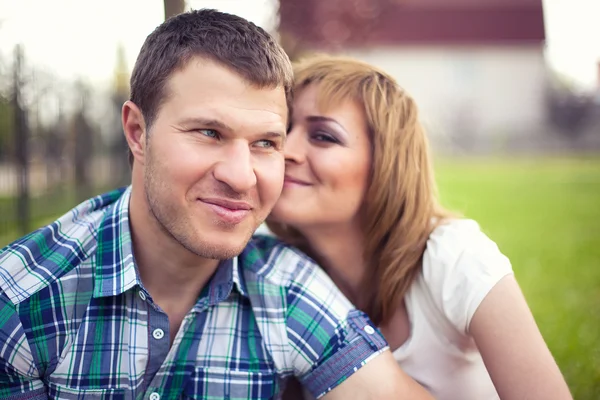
460, 266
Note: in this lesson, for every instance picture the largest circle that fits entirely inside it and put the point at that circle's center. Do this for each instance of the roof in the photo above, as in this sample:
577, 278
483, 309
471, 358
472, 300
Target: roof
359, 23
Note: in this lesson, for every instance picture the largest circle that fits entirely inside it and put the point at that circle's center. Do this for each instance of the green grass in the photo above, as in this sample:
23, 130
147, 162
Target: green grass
544, 213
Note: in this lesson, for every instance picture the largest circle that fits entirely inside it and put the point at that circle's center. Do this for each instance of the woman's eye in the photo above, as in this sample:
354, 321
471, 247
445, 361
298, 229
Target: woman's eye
324, 137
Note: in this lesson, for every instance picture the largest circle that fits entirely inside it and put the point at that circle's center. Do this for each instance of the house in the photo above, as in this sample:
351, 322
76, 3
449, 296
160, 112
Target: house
475, 67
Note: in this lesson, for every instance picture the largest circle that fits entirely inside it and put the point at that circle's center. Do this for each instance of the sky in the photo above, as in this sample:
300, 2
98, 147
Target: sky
78, 38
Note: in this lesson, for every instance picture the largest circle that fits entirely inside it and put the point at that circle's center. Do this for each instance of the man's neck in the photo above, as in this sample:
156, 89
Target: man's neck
173, 275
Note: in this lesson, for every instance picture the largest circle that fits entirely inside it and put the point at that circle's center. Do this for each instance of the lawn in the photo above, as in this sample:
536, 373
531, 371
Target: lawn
544, 213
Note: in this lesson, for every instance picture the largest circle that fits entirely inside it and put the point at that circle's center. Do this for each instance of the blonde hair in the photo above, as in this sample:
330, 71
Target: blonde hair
400, 207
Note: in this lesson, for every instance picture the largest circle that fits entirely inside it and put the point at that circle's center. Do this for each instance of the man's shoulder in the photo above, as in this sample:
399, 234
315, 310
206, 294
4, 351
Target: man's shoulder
280, 268
313, 330
275, 261
36, 260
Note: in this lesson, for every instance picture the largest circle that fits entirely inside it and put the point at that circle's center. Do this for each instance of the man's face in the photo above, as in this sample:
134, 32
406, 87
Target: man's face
214, 165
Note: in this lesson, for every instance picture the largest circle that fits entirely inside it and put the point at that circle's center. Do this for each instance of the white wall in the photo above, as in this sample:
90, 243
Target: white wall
469, 92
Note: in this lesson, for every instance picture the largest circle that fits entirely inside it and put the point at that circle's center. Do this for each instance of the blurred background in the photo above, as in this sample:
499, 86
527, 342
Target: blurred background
509, 91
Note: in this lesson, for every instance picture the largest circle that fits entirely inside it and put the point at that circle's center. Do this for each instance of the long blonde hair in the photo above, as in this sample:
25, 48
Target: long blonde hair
400, 207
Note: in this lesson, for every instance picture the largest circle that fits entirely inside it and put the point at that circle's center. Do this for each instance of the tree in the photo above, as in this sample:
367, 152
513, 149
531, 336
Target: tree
6, 128
568, 109
117, 145
173, 7
83, 134
21, 136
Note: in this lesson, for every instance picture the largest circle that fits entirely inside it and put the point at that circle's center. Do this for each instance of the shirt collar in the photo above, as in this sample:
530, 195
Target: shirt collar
227, 277
116, 271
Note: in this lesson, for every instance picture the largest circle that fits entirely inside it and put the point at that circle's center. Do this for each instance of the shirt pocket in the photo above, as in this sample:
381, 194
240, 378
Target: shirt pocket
56, 391
221, 383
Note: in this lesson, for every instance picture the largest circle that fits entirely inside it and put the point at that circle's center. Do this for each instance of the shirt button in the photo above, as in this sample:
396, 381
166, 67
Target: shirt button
158, 334
142, 295
154, 395
369, 329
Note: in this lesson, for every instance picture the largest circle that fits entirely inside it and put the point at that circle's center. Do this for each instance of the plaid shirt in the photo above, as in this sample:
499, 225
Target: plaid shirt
76, 321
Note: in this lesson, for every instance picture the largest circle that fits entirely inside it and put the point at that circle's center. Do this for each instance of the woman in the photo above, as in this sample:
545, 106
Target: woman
359, 197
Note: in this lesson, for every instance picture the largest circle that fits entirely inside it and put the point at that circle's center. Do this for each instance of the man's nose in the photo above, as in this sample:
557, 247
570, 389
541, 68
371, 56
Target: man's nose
236, 168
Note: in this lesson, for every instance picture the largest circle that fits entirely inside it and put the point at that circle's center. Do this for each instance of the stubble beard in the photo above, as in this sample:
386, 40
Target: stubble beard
174, 224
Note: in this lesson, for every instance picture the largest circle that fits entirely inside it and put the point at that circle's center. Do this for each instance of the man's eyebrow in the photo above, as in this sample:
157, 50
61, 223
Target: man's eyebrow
275, 135
210, 123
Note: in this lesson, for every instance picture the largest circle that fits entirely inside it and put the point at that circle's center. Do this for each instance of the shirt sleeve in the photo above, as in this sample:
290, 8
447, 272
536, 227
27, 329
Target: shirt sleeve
19, 378
329, 339
460, 267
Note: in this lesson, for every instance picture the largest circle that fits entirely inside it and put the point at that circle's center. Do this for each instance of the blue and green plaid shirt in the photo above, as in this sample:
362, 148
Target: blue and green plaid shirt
76, 321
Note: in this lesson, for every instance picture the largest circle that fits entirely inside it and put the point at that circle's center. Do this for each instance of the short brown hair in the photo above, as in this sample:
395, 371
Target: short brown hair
224, 38
401, 207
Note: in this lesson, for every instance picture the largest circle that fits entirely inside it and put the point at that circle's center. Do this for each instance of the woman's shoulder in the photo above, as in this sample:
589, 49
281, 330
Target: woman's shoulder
455, 229
459, 238
461, 264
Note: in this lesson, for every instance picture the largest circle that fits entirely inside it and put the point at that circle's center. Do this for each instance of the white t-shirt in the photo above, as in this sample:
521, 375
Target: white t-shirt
460, 266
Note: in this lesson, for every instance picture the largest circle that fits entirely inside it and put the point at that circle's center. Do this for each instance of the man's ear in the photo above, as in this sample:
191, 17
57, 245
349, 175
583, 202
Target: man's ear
134, 128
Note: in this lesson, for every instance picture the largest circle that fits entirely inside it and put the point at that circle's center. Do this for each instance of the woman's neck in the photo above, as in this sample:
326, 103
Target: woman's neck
340, 251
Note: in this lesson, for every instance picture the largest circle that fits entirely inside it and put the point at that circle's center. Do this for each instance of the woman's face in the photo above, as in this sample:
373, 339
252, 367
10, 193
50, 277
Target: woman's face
328, 160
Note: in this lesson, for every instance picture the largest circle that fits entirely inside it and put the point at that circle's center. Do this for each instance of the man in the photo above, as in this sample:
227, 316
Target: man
157, 291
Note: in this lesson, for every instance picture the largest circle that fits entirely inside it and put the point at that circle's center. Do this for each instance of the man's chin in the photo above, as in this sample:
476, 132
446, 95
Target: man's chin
220, 242
227, 247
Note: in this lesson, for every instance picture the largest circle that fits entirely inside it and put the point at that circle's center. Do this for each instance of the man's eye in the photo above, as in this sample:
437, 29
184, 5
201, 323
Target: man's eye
266, 144
209, 132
